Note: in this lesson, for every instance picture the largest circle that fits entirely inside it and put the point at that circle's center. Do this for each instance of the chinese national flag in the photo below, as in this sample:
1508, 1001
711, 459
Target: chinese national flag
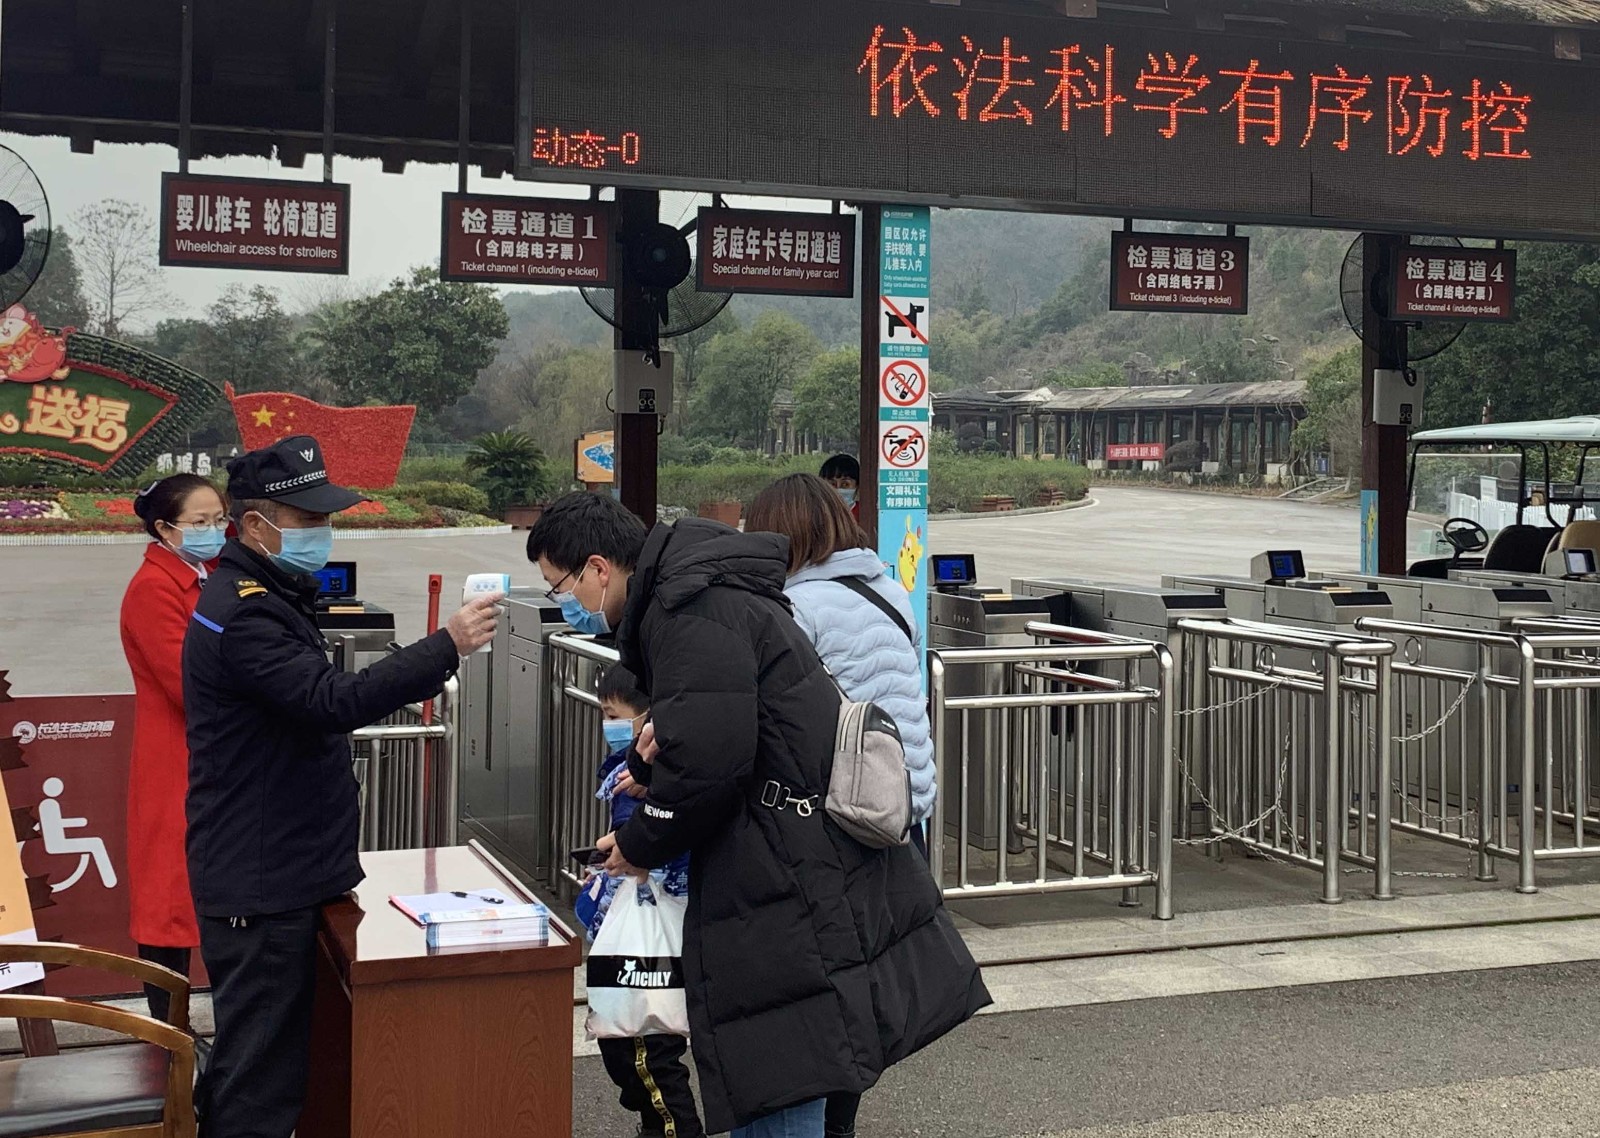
363, 446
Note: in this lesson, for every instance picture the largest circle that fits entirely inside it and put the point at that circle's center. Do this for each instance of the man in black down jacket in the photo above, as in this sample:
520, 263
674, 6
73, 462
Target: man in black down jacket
273, 802
811, 962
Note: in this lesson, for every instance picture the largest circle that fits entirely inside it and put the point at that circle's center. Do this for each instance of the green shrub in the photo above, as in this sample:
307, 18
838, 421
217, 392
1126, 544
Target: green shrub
450, 495
418, 470
961, 482
688, 486
511, 467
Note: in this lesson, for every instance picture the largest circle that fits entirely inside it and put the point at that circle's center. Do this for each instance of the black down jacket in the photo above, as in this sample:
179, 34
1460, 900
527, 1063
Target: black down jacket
812, 963
274, 810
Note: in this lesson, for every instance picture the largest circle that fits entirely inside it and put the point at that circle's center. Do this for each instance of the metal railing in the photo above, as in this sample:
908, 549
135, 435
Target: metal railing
407, 770
573, 750
1278, 744
1506, 761
1075, 757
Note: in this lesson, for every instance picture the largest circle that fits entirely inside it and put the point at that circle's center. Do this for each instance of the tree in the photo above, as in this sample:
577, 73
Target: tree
688, 351
1543, 365
1225, 358
115, 256
57, 296
419, 341
511, 467
247, 340
743, 373
827, 397
1333, 412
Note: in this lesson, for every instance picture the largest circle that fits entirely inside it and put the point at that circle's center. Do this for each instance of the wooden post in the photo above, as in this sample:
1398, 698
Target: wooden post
635, 434
1383, 448
867, 487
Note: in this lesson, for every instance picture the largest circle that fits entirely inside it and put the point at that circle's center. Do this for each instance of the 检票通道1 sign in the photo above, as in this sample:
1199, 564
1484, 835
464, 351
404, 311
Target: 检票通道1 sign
254, 223
507, 240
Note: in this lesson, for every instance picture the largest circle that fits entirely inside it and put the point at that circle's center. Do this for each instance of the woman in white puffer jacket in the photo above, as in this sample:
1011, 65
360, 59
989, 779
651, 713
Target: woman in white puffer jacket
868, 651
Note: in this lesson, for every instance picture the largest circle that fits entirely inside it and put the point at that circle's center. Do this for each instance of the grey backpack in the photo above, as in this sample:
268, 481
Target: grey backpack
869, 793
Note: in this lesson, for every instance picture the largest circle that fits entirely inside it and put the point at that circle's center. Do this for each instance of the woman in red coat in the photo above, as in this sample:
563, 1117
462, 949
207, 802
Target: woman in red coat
186, 519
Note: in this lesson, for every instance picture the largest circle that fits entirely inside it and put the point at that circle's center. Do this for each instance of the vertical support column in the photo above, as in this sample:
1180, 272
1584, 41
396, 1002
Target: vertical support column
867, 487
635, 434
329, 68
464, 100
186, 89
1383, 448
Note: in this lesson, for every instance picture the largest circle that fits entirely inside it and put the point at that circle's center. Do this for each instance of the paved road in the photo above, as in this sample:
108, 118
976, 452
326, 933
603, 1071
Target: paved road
1507, 1051
59, 633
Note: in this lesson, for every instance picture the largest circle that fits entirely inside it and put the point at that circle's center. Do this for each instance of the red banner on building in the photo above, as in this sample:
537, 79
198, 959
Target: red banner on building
494, 240
254, 223
1136, 452
767, 251
1179, 272
69, 797
1434, 282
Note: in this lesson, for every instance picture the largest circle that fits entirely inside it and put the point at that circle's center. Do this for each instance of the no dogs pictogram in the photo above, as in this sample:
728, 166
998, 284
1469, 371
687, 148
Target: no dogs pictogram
904, 382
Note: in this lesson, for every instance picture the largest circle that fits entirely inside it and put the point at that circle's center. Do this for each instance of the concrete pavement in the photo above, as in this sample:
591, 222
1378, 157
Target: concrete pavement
1498, 1052
60, 603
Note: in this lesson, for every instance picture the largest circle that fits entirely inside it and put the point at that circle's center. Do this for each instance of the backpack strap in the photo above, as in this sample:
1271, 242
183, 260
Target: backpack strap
860, 587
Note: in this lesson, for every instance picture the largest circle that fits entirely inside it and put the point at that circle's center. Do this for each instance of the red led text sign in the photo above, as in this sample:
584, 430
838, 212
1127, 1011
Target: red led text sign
1177, 272
497, 240
1136, 452
1433, 282
254, 223
761, 251
1007, 106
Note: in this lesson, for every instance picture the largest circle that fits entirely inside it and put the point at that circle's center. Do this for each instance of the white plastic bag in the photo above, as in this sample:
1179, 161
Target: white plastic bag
635, 968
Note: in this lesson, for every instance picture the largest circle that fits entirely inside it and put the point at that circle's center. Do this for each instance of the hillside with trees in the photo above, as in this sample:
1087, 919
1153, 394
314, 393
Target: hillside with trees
1018, 301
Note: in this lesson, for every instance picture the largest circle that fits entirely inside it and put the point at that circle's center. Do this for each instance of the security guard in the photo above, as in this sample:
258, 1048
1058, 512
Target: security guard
273, 802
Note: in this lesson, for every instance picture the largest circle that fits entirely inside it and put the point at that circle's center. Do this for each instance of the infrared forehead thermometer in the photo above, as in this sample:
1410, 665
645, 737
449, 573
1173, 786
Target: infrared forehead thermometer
483, 585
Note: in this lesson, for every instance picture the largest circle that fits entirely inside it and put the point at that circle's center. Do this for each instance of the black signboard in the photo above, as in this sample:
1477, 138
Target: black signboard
1180, 272
1015, 106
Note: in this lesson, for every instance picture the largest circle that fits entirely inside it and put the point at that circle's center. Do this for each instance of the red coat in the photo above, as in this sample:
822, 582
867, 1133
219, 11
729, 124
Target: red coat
156, 612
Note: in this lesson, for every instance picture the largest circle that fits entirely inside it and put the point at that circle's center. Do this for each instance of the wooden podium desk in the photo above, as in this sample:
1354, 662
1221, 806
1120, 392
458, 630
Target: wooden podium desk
408, 1043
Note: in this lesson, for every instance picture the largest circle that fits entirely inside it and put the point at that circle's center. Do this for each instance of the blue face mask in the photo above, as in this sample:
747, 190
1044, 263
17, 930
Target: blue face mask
618, 733
849, 495
202, 543
580, 618
304, 550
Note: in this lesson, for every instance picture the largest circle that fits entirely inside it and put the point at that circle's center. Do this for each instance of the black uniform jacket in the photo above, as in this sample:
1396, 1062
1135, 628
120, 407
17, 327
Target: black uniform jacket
811, 963
273, 805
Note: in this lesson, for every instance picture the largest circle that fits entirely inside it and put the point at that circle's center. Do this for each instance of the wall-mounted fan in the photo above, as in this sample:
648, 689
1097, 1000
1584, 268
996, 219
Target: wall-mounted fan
1425, 338
24, 227
661, 258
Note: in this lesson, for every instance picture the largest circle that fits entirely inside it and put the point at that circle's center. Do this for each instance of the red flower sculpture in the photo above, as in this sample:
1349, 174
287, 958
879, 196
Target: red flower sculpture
363, 445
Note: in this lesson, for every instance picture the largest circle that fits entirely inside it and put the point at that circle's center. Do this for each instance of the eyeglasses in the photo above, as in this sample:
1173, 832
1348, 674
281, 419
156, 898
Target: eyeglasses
553, 595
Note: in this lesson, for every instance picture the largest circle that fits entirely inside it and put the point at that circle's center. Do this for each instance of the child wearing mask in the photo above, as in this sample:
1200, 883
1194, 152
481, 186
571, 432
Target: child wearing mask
843, 473
648, 1070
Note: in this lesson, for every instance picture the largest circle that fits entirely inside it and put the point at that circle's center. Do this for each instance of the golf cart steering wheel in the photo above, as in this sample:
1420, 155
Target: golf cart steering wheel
1465, 535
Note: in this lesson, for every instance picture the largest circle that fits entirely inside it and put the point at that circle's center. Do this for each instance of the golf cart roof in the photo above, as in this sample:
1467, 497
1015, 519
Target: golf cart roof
1577, 429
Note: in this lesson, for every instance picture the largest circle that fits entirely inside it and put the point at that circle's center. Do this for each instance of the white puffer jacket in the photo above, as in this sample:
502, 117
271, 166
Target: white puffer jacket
869, 654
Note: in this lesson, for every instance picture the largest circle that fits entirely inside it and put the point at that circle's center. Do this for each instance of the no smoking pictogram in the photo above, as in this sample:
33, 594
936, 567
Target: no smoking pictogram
904, 446
904, 382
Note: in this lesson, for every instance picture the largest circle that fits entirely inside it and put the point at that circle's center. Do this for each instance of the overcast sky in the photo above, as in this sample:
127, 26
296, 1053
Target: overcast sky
395, 217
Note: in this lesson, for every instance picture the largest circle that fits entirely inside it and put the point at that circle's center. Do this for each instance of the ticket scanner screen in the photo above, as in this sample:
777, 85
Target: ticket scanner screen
1579, 562
1278, 565
954, 570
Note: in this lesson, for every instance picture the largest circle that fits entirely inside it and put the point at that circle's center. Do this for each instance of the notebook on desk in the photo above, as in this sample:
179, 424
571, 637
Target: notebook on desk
475, 916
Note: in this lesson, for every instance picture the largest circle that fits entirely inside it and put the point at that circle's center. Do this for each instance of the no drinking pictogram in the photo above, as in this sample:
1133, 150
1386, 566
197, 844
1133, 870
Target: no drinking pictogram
904, 382
904, 445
